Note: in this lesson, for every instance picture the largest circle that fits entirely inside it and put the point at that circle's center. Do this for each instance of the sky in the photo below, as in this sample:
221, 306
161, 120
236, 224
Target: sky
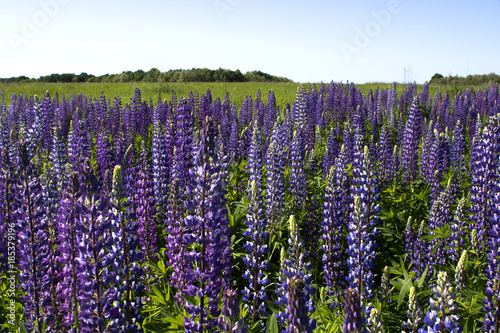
307, 41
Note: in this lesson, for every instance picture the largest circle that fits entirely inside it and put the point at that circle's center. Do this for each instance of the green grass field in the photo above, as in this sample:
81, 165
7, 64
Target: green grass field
284, 92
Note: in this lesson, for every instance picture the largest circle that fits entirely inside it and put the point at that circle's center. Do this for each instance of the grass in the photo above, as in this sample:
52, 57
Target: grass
284, 92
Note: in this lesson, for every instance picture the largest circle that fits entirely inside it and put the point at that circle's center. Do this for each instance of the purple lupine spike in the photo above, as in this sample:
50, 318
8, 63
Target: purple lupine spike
441, 316
348, 143
234, 141
104, 158
254, 295
255, 158
298, 319
491, 302
411, 140
159, 158
175, 230
361, 227
484, 166
50, 195
145, 208
331, 153
333, 225
32, 233
70, 232
298, 185
48, 118
275, 191
458, 229
426, 162
353, 321
384, 154
125, 255
230, 321
206, 241
411, 244
424, 95
58, 155
184, 144
295, 266
440, 215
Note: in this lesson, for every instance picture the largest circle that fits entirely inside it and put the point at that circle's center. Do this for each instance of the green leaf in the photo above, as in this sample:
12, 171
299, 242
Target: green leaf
404, 290
272, 324
421, 281
156, 326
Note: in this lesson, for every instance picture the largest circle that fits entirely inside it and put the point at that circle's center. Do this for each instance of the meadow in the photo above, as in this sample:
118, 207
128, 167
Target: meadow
249, 207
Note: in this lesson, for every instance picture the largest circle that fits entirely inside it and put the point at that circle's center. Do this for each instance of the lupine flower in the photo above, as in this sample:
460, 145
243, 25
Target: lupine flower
332, 226
126, 255
255, 293
361, 228
32, 228
458, 229
275, 191
206, 240
491, 302
441, 317
230, 321
353, 321
145, 208
413, 314
484, 165
297, 267
298, 185
298, 320
412, 133
374, 322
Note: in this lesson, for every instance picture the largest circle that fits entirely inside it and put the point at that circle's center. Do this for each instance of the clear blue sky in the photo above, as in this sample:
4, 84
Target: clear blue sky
307, 41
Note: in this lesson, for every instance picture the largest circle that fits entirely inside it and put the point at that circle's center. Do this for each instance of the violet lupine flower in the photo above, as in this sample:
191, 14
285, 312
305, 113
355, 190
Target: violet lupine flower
205, 243
385, 154
414, 314
491, 302
125, 256
230, 321
32, 233
361, 227
275, 191
332, 225
158, 151
104, 158
255, 158
353, 321
298, 185
425, 162
440, 215
175, 229
295, 266
298, 320
145, 208
51, 204
58, 156
412, 245
412, 133
458, 228
8, 199
255, 294
441, 316
184, 145
71, 259
331, 153
484, 166
96, 296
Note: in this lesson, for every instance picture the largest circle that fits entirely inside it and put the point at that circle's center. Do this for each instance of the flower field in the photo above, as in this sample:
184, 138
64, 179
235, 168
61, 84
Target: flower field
339, 212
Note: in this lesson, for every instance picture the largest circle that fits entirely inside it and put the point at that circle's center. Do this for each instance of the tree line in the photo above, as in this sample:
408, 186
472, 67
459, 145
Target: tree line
155, 75
469, 80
